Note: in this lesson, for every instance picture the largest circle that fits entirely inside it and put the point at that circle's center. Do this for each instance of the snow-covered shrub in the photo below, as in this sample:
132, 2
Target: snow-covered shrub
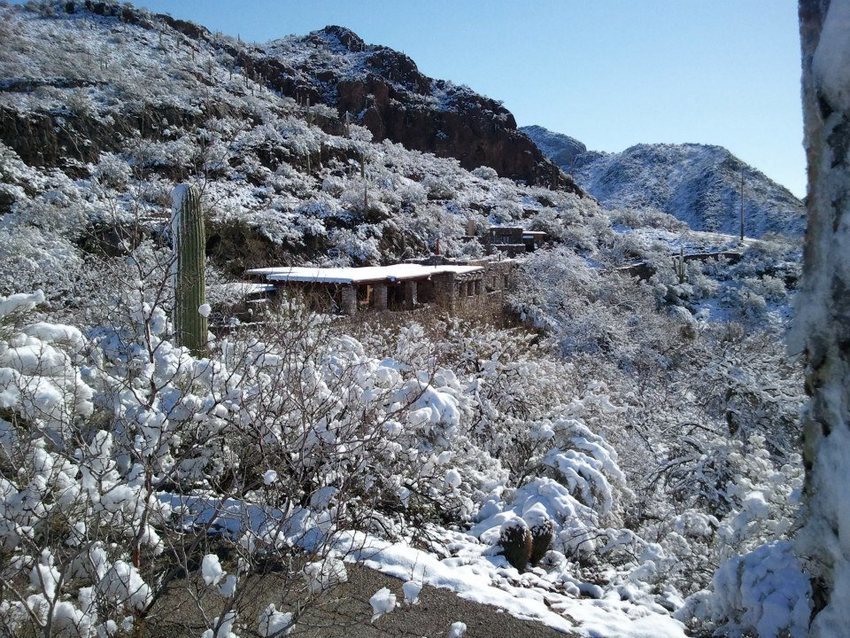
765, 592
438, 187
112, 171
486, 173
132, 450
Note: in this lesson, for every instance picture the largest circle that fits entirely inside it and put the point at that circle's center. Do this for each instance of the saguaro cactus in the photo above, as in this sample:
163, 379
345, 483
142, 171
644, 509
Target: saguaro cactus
188, 241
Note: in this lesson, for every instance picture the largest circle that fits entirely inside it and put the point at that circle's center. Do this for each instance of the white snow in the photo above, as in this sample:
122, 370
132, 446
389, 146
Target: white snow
396, 272
228, 587
477, 577
204, 310
275, 623
269, 477
224, 627
831, 61
411, 591
383, 602
324, 574
211, 569
240, 289
124, 585
765, 591
20, 302
453, 478
457, 630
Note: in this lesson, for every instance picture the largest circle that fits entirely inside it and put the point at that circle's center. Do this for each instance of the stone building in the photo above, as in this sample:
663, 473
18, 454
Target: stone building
452, 286
514, 240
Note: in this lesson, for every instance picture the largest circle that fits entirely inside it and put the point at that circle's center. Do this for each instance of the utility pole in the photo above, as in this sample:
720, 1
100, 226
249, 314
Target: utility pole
742, 203
363, 178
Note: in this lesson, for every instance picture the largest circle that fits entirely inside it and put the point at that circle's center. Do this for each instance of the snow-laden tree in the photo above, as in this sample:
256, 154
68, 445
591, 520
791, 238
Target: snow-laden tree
823, 323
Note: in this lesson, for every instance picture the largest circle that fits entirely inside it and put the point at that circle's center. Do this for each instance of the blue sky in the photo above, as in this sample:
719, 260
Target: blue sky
610, 73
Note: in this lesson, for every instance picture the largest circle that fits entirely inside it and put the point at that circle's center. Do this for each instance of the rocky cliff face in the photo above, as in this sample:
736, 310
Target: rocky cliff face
697, 183
385, 91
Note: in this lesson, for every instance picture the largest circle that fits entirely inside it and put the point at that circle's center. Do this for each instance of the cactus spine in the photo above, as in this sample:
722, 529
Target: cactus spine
188, 241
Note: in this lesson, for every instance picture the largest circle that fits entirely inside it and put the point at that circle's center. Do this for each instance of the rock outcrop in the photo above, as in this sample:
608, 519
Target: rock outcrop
384, 90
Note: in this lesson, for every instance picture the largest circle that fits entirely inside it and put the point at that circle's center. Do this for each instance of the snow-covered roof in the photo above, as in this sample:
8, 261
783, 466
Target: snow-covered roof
396, 272
242, 288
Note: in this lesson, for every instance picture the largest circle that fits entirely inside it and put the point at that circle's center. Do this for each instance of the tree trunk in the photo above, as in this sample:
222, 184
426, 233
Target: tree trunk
823, 312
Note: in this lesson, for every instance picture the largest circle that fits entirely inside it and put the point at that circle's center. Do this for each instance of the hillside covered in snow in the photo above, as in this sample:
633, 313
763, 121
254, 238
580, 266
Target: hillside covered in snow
699, 184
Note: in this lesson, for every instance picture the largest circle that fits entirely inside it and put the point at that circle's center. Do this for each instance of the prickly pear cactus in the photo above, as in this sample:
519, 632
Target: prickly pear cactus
188, 241
515, 540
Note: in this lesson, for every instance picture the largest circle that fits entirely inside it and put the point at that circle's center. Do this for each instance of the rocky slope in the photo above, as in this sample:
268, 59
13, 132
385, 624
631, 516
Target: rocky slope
697, 183
379, 87
103, 108
561, 149
384, 90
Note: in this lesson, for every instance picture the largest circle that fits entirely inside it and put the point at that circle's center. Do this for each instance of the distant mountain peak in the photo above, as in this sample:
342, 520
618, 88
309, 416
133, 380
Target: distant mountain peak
697, 183
341, 38
561, 149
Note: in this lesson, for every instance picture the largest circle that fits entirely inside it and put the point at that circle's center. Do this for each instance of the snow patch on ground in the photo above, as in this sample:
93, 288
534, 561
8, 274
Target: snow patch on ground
481, 578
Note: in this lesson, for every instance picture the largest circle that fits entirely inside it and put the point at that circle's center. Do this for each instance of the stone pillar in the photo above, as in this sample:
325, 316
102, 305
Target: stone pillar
445, 291
477, 287
410, 295
379, 296
348, 299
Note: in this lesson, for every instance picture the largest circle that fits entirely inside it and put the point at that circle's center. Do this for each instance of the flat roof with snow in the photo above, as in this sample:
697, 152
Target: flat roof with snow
365, 274
242, 288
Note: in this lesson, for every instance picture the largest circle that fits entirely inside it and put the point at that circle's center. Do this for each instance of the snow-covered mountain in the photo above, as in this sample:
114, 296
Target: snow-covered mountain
697, 183
561, 149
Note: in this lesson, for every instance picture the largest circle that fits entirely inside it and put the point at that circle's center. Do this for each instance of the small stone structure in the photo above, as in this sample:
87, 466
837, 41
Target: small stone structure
451, 285
514, 240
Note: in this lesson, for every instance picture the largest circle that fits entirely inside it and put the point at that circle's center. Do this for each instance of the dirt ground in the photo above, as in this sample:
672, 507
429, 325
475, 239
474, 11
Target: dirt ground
344, 612
431, 618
